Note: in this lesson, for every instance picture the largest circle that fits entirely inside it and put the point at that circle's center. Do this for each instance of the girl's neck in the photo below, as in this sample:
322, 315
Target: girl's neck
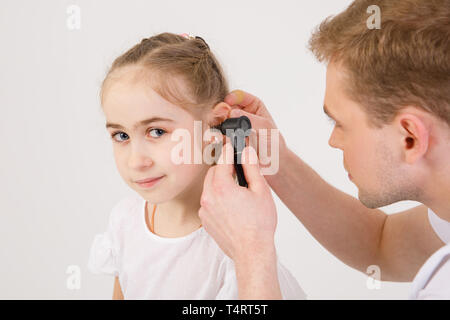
173, 220
177, 213
179, 216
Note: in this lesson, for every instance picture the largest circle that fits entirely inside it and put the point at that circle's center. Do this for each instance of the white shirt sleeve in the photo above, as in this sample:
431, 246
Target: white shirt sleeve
290, 289
440, 226
433, 279
438, 288
229, 288
104, 250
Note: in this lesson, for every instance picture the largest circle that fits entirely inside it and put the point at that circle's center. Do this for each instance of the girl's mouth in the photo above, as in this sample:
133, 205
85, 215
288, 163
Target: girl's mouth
148, 182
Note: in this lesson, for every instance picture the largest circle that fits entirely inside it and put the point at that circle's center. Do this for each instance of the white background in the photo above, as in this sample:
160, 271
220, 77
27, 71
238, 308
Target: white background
58, 177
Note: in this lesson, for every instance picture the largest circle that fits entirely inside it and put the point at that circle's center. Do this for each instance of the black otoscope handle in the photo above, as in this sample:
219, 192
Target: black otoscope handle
237, 129
239, 172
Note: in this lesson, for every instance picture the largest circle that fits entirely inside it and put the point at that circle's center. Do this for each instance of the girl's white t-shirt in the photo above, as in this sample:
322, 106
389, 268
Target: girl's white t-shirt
154, 267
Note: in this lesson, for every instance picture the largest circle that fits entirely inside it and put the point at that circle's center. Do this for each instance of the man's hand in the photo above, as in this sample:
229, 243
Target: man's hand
245, 104
243, 221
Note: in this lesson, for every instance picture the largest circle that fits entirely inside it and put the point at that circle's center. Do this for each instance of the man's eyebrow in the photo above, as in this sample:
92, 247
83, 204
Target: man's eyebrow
140, 123
325, 109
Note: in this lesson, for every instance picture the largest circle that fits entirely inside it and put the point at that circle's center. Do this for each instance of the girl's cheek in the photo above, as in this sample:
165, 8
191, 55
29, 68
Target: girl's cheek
178, 152
119, 156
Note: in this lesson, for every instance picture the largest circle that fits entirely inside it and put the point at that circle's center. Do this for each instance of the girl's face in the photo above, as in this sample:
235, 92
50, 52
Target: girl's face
141, 123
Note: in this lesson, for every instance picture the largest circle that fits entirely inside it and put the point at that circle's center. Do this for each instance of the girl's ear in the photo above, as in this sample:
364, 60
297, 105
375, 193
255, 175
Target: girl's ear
218, 114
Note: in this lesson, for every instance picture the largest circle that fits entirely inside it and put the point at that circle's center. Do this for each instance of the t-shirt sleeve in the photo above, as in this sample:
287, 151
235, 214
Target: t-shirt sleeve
103, 256
290, 289
438, 286
440, 226
229, 288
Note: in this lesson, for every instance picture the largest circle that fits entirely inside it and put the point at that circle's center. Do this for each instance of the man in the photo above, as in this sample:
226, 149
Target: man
388, 90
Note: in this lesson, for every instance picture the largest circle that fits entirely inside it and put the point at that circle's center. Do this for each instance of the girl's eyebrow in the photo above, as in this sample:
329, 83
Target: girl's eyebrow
139, 124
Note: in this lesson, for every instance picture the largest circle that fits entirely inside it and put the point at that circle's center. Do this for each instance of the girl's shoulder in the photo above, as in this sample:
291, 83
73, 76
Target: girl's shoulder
125, 207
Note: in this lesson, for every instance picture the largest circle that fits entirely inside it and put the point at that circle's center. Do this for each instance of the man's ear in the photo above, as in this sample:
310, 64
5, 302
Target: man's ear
415, 134
218, 114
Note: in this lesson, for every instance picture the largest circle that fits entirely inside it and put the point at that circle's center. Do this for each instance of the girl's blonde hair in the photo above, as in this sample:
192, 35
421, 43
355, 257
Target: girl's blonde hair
167, 58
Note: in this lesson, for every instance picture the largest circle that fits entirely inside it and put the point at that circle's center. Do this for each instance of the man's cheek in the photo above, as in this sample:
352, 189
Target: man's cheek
353, 162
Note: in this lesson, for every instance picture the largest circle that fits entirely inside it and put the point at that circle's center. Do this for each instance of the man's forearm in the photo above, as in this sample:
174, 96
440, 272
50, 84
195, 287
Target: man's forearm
338, 221
257, 275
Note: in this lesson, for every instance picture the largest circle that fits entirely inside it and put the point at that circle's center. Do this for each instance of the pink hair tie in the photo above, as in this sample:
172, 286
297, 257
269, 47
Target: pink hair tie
187, 36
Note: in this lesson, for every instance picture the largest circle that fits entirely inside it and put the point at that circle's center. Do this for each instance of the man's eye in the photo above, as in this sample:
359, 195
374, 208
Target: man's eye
157, 133
332, 121
121, 135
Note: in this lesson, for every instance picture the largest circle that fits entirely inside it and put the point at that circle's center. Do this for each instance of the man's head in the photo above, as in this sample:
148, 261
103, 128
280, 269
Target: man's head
389, 91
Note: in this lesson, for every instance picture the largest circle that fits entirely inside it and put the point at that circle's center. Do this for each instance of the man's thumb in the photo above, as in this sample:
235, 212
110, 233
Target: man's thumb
250, 164
236, 113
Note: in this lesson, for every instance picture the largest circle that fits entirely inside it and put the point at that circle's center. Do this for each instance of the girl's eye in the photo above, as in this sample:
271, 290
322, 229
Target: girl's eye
119, 134
122, 136
157, 133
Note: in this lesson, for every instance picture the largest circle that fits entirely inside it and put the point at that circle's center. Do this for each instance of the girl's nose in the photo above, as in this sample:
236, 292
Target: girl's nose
139, 158
139, 161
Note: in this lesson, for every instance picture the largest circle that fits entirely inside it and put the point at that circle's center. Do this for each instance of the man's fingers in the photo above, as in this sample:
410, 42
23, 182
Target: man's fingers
225, 165
250, 164
247, 102
257, 122
235, 97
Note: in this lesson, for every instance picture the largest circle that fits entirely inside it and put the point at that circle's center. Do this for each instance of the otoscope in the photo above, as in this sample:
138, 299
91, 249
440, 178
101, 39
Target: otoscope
237, 129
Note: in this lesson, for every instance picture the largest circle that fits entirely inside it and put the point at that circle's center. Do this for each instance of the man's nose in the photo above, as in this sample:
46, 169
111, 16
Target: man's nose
333, 141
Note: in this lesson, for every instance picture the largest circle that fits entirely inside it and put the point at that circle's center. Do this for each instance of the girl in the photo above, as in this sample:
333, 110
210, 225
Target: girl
154, 245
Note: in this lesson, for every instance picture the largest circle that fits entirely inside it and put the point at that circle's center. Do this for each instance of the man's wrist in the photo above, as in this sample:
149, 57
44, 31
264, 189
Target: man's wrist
251, 256
257, 275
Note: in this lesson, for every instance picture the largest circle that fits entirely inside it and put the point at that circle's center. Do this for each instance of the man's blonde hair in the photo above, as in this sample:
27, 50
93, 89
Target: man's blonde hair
405, 63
